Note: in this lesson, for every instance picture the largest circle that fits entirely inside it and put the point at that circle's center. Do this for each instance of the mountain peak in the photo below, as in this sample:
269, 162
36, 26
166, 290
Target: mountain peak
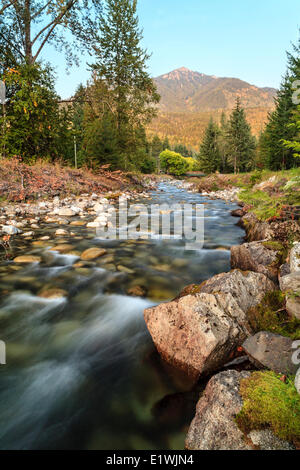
182, 69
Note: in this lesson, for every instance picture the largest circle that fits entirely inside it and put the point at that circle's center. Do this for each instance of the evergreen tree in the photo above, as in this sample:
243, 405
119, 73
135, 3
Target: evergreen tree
156, 149
275, 151
223, 143
241, 143
166, 144
209, 156
121, 63
100, 142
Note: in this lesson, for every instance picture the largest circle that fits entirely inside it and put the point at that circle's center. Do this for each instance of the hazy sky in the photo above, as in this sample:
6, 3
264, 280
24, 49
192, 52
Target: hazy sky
246, 39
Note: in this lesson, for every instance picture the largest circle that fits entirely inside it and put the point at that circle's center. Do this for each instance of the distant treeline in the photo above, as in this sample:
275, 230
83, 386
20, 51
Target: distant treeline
105, 122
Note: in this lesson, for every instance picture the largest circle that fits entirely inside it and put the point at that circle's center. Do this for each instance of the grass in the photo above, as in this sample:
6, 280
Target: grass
270, 315
270, 403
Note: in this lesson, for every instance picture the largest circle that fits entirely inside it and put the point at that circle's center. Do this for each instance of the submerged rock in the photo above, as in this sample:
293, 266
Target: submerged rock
197, 333
261, 257
53, 293
27, 259
271, 351
93, 253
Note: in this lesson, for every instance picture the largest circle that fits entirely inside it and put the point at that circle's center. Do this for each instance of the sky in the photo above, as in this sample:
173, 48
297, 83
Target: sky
245, 39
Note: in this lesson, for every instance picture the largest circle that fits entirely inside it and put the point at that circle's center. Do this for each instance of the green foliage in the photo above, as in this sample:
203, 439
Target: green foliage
34, 126
264, 205
173, 163
270, 315
209, 156
280, 140
121, 65
270, 403
100, 142
240, 140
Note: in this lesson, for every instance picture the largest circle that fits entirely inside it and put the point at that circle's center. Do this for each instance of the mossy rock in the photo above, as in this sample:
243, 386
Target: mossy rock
270, 402
270, 315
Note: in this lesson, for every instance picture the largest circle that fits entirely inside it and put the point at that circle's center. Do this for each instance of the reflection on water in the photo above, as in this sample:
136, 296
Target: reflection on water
81, 370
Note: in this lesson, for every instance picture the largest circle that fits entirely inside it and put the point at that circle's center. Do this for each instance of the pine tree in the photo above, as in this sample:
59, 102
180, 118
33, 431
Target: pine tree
209, 157
121, 63
223, 143
156, 149
241, 143
274, 149
166, 144
100, 142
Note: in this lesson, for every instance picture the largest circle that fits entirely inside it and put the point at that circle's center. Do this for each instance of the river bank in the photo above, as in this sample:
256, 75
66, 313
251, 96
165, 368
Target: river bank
251, 313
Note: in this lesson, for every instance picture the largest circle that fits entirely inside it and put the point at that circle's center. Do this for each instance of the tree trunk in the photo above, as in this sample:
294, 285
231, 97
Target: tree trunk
27, 32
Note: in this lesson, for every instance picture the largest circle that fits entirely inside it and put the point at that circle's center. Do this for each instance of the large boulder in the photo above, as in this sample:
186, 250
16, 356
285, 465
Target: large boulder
214, 426
295, 258
197, 333
248, 288
256, 229
274, 352
290, 284
261, 257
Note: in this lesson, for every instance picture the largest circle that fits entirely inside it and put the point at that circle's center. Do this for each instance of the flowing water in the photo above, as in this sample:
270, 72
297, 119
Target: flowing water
82, 371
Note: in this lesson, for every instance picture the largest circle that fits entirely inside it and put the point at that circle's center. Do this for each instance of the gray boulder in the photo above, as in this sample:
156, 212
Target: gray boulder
261, 257
290, 284
197, 333
274, 352
295, 258
248, 288
214, 426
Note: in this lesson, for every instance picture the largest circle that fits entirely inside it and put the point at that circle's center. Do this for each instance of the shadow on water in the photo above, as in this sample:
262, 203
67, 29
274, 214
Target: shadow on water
82, 372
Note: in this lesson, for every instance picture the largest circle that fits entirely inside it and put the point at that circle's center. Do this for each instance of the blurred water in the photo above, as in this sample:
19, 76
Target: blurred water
82, 372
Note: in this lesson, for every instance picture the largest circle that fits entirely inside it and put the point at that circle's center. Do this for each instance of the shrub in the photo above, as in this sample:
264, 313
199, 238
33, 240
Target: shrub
173, 163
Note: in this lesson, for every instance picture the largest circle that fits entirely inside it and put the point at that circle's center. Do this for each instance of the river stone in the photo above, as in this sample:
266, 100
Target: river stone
197, 333
295, 258
27, 259
259, 257
66, 212
248, 288
10, 230
54, 293
271, 351
61, 232
78, 223
93, 253
63, 248
136, 291
214, 426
